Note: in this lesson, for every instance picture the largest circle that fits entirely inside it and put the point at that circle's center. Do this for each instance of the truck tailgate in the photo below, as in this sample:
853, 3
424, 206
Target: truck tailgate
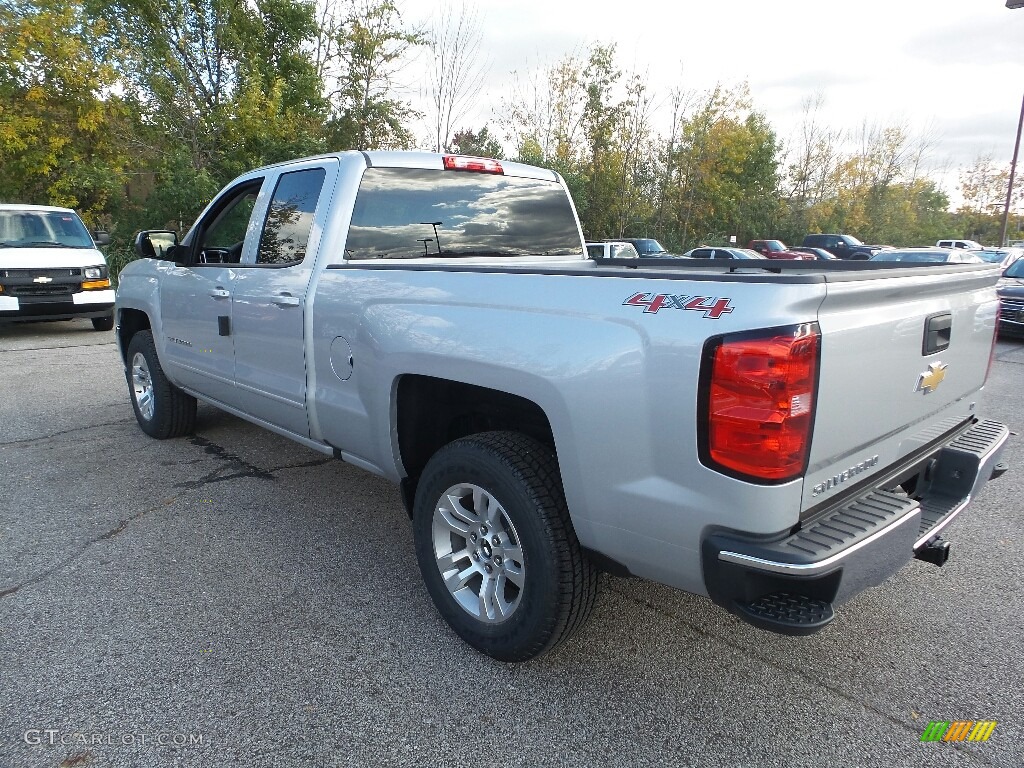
903, 358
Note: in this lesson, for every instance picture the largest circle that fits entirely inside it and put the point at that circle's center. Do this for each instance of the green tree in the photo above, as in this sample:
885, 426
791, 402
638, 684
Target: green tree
58, 118
547, 111
217, 87
601, 166
724, 180
364, 55
478, 144
983, 186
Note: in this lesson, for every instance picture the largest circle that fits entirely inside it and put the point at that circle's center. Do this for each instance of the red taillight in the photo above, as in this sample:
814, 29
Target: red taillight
478, 164
760, 393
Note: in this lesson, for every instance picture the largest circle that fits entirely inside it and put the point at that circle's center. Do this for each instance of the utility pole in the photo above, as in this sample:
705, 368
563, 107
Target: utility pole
1013, 168
1016, 149
436, 224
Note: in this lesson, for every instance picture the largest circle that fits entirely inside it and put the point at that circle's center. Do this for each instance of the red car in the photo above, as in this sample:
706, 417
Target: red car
776, 249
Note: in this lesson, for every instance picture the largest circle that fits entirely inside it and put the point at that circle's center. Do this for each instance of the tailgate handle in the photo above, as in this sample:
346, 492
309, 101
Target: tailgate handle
937, 330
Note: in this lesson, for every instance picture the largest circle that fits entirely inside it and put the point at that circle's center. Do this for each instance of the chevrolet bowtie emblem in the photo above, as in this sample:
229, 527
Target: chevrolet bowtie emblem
931, 378
43, 279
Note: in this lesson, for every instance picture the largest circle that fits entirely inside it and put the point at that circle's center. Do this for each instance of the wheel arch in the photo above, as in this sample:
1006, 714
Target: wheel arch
129, 322
431, 412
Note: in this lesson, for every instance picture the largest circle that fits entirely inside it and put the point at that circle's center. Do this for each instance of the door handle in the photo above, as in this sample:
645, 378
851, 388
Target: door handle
285, 300
220, 293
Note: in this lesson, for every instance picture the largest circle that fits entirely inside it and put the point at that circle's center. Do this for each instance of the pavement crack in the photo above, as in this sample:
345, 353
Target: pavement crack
241, 468
105, 536
773, 662
61, 346
52, 435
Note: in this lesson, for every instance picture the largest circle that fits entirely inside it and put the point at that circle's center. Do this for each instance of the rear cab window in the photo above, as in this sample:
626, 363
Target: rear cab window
411, 213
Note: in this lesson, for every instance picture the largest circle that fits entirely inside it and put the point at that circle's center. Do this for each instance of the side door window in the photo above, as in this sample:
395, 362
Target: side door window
290, 217
221, 234
195, 298
269, 296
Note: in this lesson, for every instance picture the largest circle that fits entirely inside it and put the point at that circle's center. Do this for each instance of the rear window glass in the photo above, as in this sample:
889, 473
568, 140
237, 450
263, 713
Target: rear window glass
407, 213
914, 256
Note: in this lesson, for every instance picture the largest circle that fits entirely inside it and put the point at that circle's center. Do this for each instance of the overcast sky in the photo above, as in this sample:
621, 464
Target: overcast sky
953, 66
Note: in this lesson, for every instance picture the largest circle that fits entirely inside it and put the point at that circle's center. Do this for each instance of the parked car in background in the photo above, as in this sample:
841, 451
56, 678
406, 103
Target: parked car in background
50, 267
842, 246
722, 253
776, 249
967, 245
819, 253
647, 247
612, 250
928, 256
1004, 256
1011, 300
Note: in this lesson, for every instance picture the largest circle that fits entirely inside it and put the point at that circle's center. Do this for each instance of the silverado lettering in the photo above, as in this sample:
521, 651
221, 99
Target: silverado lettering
843, 476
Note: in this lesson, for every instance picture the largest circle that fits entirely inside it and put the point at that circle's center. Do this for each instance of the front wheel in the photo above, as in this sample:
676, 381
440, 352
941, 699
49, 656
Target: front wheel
496, 546
161, 409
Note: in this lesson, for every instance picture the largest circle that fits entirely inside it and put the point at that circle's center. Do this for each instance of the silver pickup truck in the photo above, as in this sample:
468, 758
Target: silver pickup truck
776, 436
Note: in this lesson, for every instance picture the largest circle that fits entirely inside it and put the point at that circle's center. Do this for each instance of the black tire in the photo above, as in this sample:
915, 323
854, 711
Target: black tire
105, 323
171, 412
559, 583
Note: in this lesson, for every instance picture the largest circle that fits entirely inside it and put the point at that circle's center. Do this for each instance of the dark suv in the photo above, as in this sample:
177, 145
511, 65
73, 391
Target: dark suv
842, 246
647, 247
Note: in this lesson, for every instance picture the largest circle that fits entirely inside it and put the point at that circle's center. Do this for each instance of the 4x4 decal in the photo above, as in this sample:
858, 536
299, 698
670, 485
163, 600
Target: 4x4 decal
712, 306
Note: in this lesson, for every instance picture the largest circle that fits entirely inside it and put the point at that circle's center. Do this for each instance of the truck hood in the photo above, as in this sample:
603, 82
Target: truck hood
1010, 287
49, 258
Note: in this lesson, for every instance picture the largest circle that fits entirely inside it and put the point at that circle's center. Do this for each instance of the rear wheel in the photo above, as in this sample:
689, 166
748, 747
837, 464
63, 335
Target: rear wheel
161, 409
496, 546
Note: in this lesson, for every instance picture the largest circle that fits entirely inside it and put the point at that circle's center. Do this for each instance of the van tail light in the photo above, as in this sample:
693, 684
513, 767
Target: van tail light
478, 164
757, 399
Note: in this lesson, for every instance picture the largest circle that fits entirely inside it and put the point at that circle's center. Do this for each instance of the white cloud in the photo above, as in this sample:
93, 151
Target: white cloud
956, 66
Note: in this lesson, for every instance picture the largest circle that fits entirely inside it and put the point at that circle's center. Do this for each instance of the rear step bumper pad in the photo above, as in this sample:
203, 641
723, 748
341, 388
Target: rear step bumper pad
789, 583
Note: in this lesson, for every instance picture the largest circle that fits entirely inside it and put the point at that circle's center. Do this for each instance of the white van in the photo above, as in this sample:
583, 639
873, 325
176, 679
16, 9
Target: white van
50, 268
612, 250
969, 245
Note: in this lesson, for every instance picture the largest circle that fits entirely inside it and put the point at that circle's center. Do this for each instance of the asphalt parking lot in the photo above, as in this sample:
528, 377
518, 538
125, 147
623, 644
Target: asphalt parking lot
233, 599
